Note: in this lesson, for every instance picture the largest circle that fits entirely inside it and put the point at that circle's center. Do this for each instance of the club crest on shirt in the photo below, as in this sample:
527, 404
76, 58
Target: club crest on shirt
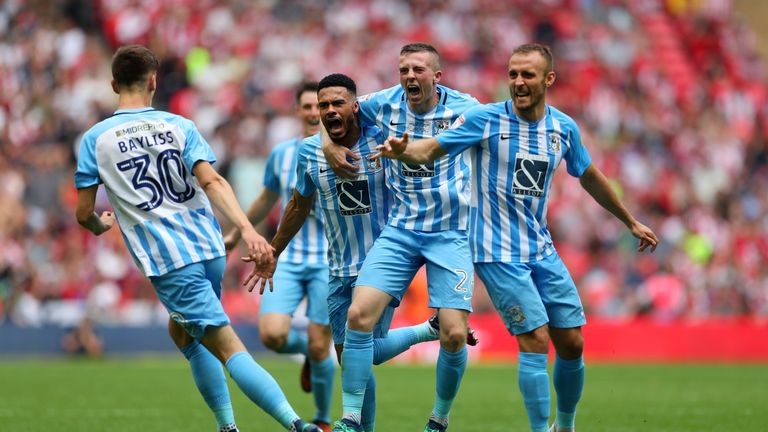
374, 165
553, 142
441, 125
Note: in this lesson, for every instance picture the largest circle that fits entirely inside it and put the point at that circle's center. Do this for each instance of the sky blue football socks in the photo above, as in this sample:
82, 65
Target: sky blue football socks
261, 388
294, 344
211, 382
450, 370
569, 383
533, 382
356, 370
321, 374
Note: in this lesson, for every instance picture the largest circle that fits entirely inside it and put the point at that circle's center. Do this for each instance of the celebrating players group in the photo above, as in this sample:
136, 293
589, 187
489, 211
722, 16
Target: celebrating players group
377, 186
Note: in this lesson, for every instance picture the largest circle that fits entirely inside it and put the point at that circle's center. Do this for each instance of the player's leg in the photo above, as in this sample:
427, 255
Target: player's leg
450, 276
357, 358
277, 308
191, 295
566, 316
568, 375
322, 365
208, 375
519, 305
187, 295
339, 300
251, 378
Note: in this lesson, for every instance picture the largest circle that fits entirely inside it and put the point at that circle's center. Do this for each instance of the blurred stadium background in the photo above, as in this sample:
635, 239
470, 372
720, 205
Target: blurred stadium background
670, 95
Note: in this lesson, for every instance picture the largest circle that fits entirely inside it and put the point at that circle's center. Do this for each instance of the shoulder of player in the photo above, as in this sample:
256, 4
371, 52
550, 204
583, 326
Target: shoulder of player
455, 96
282, 146
310, 146
561, 117
370, 131
484, 111
391, 94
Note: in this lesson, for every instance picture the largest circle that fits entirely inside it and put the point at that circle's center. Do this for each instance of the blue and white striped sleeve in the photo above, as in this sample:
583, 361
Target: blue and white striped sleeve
466, 131
577, 158
196, 148
87, 173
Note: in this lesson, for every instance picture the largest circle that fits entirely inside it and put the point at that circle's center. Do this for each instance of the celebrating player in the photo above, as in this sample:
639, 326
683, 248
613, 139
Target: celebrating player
157, 170
427, 225
303, 270
355, 212
521, 142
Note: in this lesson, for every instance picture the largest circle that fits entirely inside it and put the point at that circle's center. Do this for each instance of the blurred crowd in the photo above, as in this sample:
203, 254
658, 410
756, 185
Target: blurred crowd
670, 97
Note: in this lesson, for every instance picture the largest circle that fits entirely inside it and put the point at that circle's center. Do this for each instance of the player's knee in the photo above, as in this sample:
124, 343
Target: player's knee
318, 350
536, 341
360, 319
571, 348
273, 340
179, 336
453, 338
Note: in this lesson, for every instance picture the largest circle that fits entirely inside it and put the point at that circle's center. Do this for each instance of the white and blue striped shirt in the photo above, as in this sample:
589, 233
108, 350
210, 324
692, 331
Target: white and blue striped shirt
430, 197
512, 173
354, 210
145, 158
309, 245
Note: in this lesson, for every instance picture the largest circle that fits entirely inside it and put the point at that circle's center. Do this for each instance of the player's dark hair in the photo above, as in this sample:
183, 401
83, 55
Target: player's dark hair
421, 47
132, 65
539, 48
338, 80
305, 86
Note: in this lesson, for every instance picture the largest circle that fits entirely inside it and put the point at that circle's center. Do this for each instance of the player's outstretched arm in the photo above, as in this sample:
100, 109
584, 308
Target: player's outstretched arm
337, 156
256, 213
296, 212
418, 152
223, 198
596, 184
87, 217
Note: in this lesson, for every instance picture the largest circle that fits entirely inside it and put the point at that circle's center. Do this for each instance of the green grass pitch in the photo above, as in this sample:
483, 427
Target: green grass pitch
157, 394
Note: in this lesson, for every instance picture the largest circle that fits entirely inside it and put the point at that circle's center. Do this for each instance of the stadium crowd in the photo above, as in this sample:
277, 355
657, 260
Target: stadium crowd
671, 99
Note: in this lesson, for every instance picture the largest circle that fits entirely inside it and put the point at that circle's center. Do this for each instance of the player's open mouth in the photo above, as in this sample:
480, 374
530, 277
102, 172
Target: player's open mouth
333, 124
313, 122
413, 90
519, 96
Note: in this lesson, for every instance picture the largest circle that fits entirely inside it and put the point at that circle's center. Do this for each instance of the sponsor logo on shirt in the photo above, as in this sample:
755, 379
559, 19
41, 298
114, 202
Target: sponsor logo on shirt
530, 175
354, 197
410, 170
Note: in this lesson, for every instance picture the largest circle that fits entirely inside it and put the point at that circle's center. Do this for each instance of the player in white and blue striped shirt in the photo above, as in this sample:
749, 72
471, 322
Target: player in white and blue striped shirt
428, 223
302, 270
519, 144
157, 170
355, 212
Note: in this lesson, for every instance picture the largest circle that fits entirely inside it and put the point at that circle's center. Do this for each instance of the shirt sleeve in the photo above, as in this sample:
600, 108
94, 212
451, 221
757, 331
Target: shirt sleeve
196, 148
304, 184
468, 130
87, 173
577, 158
271, 180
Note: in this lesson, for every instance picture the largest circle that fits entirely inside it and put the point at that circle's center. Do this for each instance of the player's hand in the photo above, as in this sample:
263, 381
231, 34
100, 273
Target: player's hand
259, 250
646, 236
338, 158
231, 239
392, 147
108, 220
260, 276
